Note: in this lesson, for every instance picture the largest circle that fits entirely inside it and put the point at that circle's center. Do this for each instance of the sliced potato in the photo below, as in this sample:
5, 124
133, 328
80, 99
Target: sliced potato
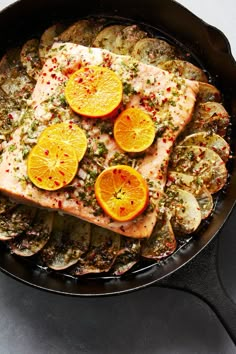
128, 255
30, 58
9, 115
106, 38
153, 51
201, 162
210, 140
36, 237
161, 243
47, 39
192, 185
210, 117
69, 241
102, 253
18, 88
14, 80
185, 69
82, 32
9, 64
208, 93
6, 204
127, 38
15, 221
184, 210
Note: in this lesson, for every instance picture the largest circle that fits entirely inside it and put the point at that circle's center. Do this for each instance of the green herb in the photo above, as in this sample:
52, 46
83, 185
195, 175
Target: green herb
25, 151
128, 89
101, 149
12, 148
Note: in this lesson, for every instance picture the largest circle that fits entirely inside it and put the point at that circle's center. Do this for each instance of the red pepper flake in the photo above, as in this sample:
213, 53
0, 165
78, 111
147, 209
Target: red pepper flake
171, 179
7, 171
168, 89
66, 155
59, 204
54, 60
10, 116
56, 183
39, 179
53, 76
62, 173
122, 209
46, 152
48, 82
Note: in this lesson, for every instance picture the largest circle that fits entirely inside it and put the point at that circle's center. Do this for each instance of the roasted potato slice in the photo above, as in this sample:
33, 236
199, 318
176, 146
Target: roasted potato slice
36, 237
208, 93
201, 162
153, 51
14, 80
82, 32
210, 140
209, 117
192, 185
9, 116
9, 64
6, 204
128, 255
106, 38
161, 243
30, 59
69, 240
184, 210
15, 221
47, 39
102, 253
127, 38
185, 69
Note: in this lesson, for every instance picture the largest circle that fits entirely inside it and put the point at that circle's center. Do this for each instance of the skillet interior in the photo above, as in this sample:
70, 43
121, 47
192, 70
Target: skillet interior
26, 19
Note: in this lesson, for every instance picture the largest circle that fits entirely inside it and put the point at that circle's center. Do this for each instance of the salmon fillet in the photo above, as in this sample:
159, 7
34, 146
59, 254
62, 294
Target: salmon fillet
168, 99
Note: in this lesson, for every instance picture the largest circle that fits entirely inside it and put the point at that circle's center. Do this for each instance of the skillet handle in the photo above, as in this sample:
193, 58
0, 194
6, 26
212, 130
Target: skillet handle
200, 278
218, 40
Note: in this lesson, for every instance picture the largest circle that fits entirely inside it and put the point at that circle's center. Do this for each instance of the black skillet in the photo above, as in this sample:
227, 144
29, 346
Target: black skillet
207, 46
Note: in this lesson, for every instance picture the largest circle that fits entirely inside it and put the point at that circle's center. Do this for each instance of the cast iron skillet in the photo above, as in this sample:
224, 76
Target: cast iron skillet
27, 18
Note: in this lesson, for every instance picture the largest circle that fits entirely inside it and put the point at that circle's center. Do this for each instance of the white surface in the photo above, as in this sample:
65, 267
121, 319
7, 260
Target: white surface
219, 13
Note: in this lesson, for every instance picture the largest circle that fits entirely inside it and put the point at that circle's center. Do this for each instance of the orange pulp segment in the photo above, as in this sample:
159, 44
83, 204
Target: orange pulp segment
121, 192
69, 133
52, 164
134, 130
94, 91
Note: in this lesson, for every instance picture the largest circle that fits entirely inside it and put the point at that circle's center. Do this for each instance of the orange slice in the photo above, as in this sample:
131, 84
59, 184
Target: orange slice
52, 165
121, 192
69, 133
134, 130
94, 91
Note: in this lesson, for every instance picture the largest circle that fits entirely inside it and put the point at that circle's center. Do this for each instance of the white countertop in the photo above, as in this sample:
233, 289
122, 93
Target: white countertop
219, 13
